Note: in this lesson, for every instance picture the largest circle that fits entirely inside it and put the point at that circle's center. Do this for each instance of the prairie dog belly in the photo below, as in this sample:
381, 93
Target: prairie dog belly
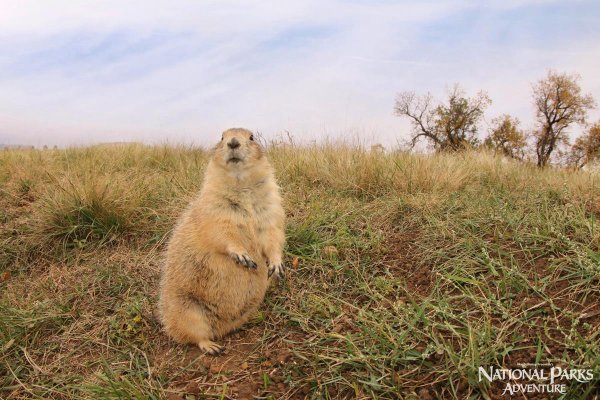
235, 288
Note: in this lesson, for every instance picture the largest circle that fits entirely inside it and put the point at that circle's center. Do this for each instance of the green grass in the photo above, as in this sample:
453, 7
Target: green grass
412, 272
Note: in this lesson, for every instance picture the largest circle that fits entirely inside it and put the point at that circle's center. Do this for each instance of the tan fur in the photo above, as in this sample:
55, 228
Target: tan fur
209, 286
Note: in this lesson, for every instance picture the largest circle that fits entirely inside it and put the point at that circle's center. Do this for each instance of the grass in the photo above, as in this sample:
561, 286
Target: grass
412, 271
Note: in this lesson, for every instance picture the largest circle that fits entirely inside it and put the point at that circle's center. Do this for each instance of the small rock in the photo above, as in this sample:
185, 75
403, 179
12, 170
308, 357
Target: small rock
192, 388
330, 250
283, 357
424, 394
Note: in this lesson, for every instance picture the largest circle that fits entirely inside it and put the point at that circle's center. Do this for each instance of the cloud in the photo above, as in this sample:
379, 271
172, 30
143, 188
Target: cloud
82, 72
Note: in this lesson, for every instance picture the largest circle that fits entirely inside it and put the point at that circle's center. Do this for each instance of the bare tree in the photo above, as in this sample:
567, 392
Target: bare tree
586, 148
449, 127
559, 104
577, 156
506, 138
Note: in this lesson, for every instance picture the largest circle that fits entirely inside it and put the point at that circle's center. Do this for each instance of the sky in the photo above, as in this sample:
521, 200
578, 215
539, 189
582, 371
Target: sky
170, 71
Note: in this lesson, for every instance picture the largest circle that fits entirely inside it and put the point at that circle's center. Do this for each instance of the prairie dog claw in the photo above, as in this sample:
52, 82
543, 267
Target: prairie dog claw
245, 260
276, 269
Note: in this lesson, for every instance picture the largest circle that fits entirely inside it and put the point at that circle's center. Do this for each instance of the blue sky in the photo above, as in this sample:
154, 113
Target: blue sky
84, 72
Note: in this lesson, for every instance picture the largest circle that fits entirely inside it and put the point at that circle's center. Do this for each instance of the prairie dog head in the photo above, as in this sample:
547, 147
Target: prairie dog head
237, 149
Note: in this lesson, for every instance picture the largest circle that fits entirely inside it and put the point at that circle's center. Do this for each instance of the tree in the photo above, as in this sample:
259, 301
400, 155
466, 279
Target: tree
506, 138
559, 104
586, 148
449, 127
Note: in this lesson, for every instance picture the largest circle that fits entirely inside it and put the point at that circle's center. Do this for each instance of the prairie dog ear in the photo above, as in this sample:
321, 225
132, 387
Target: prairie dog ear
258, 138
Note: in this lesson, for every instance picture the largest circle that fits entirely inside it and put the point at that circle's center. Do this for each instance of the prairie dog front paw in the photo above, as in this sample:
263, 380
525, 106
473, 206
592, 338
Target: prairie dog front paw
277, 269
243, 259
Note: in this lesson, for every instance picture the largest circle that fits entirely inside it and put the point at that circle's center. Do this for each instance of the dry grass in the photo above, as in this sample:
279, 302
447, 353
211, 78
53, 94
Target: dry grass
413, 272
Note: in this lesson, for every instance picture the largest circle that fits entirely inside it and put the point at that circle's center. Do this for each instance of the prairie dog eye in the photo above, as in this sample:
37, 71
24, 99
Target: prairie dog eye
251, 137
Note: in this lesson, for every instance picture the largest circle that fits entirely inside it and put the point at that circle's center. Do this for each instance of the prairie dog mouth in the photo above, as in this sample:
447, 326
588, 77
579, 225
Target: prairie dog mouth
234, 159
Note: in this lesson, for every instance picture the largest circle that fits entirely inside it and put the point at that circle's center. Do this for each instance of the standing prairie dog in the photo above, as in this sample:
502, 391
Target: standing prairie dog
225, 246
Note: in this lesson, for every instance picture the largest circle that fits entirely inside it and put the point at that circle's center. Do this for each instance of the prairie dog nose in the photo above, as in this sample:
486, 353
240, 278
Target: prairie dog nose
233, 144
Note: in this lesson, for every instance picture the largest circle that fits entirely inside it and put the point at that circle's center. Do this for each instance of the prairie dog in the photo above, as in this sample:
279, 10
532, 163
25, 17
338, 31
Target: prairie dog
225, 247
